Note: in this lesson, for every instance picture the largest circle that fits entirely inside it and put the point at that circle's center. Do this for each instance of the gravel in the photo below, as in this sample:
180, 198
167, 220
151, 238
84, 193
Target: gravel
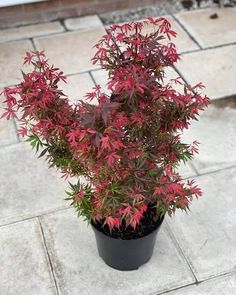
162, 8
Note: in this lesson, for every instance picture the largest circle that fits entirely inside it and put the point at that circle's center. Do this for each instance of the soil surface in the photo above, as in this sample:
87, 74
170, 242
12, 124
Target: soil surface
148, 224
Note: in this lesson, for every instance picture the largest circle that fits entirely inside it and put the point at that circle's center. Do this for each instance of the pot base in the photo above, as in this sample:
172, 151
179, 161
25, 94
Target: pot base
126, 254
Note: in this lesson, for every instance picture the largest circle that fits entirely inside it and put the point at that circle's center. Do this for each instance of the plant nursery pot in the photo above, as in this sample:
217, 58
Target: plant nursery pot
126, 254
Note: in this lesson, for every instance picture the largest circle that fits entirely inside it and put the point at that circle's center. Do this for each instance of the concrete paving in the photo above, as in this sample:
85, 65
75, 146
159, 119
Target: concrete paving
208, 31
215, 66
45, 249
72, 247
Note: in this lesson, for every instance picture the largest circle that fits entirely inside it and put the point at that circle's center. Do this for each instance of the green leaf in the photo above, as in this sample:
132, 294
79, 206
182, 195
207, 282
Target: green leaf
43, 153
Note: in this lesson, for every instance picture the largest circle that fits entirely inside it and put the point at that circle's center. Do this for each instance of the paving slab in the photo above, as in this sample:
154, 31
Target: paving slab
30, 31
101, 77
183, 41
215, 131
77, 86
214, 67
207, 234
24, 266
224, 285
209, 31
83, 23
71, 51
187, 170
79, 269
11, 61
28, 186
8, 133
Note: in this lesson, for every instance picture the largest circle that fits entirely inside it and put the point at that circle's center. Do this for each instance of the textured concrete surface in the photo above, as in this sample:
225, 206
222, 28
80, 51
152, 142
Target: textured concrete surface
207, 236
30, 31
222, 286
209, 31
7, 133
28, 186
101, 77
214, 67
79, 269
24, 263
83, 23
77, 86
71, 51
215, 130
11, 61
59, 256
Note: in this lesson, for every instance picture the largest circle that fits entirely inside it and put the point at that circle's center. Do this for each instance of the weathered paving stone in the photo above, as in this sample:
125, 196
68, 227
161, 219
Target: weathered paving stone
214, 67
72, 51
24, 266
28, 186
186, 170
83, 23
101, 78
11, 61
215, 131
8, 133
210, 31
77, 86
30, 31
72, 248
207, 235
224, 285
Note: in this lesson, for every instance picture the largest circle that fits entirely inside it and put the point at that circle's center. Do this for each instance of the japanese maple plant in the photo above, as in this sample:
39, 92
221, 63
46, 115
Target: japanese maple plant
124, 148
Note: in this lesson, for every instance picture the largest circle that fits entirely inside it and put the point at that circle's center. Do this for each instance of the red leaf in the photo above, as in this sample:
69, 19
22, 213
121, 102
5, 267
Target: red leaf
111, 159
105, 143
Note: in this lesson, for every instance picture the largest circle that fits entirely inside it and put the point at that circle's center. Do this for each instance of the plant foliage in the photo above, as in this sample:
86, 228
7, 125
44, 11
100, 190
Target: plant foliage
127, 147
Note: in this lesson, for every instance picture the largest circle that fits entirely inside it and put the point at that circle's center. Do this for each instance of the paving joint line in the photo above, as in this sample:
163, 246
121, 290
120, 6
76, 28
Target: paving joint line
180, 74
35, 216
174, 289
82, 72
176, 243
34, 37
91, 76
10, 144
48, 256
33, 43
215, 171
191, 51
219, 46
186, 30
229, 273
62, 22
16, 131
209, 48
194, 168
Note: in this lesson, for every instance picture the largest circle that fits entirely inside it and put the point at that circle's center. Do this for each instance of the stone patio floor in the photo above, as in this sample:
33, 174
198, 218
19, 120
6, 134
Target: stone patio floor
45, 249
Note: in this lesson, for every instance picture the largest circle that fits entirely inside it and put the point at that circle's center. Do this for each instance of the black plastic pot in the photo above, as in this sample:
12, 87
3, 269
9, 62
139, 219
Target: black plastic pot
126, 254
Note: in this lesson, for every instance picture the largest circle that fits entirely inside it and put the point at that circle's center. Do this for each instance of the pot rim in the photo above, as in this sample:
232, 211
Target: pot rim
152, 232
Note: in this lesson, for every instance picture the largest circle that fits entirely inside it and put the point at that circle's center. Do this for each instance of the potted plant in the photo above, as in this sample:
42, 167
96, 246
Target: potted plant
127, 147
